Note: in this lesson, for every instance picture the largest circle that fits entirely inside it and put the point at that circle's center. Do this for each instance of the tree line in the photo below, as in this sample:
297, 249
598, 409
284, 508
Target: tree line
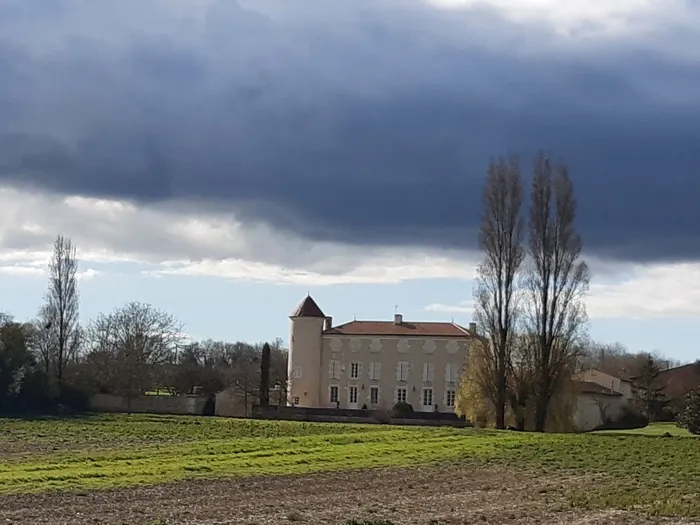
529, 300
53, 362
529, 296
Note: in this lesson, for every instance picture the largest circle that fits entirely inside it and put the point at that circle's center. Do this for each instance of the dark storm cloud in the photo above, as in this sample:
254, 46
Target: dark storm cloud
364, 122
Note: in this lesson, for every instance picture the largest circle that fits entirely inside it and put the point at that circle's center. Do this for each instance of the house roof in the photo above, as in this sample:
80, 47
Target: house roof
679, 380
690, 368
403, 329
586, 387
618, 376
308, 308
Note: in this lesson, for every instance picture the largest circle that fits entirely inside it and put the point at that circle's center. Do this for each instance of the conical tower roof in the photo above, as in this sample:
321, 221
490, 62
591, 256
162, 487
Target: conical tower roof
308, 308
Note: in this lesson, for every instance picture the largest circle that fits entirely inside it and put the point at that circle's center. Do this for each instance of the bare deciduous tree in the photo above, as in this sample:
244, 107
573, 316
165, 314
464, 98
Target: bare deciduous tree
59, 315
648, 390
522, 373
556, 282
245, 375
42, 344
134, 340
501, 239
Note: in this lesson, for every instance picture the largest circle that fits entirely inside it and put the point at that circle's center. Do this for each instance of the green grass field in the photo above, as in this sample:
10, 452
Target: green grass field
628, 470
657, 429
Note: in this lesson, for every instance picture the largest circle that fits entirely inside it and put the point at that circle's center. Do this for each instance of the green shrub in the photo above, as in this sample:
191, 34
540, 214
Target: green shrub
36, 393
689, 418
74, 398
628, 419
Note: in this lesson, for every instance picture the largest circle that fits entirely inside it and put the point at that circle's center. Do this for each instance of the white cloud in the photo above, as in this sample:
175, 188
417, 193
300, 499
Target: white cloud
37, 265
613, 17
180, 241
20, 270
652, 291
464, 307
86, 275
638, 292
375, 269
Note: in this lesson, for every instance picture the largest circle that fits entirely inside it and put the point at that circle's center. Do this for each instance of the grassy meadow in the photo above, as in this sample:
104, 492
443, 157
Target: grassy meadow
624, 470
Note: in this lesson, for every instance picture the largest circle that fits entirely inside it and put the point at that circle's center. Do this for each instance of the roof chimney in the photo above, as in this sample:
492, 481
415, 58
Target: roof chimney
329, 323
398, 318
472, 327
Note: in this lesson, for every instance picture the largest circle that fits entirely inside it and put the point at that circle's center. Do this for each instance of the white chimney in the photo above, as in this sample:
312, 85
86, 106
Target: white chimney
472, 327
398, 318
328, 323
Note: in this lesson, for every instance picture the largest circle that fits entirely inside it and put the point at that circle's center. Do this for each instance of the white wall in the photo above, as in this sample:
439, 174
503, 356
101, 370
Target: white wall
592, 408
378, 359
304, 364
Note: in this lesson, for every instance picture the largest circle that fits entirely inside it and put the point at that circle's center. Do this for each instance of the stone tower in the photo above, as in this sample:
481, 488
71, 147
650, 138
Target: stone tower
304, 365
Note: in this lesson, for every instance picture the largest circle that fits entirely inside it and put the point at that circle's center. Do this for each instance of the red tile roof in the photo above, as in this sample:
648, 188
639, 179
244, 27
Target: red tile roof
586, 387
307, 308
404, 329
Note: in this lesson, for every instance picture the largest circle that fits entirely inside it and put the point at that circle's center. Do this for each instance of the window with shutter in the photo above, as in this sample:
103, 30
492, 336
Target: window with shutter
374, 395
353, 395
450, 396
427, 397
401, 395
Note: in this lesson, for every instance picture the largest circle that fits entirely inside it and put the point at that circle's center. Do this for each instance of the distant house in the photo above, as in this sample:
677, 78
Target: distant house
680, 380
607, 381
600, 397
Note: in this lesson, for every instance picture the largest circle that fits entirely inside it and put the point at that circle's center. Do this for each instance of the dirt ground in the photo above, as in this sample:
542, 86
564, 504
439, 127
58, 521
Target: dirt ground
431, 495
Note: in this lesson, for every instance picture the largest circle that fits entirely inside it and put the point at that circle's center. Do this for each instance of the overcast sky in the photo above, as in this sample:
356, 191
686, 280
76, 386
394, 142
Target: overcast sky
318, 142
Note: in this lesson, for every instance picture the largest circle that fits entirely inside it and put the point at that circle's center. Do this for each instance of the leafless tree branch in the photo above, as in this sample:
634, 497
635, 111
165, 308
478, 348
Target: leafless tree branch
59, 317
495, 292
556, 282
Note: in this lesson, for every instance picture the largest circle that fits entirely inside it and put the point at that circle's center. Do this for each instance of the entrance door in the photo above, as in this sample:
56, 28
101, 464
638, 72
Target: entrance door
426, 400
352, 397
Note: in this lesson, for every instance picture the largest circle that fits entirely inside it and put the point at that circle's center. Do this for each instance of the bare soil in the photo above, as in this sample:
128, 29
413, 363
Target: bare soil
432, 495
